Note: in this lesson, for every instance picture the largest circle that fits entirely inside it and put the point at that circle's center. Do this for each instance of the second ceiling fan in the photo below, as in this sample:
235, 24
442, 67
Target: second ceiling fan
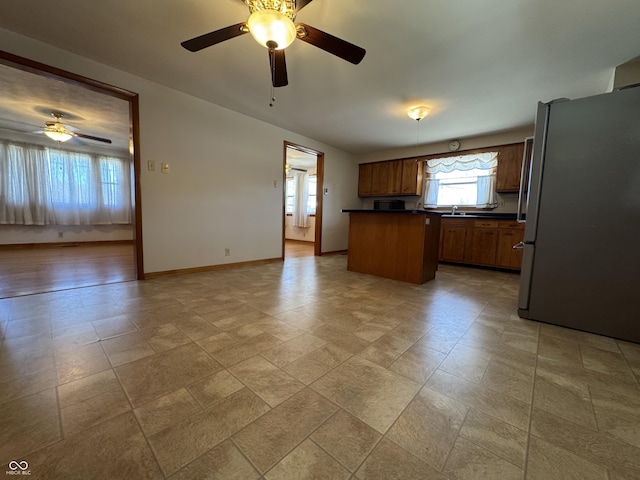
271, 25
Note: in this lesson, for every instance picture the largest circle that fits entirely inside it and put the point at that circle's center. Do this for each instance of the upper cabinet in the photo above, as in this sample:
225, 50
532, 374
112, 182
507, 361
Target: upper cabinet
509, 168
390, 178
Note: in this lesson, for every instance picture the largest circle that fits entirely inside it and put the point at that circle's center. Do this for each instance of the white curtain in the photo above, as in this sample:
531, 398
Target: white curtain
482, 161
300, 215
487, 191
431, 186
42, 186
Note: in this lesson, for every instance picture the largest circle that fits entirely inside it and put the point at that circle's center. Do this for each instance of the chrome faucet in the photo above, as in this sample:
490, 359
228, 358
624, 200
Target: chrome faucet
453, 209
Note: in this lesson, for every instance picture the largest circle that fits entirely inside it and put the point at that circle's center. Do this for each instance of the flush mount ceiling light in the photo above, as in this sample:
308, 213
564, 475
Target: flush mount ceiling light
419, 112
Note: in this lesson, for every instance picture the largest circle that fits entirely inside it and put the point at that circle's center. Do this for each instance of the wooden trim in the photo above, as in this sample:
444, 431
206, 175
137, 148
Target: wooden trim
210, 268
49, 71
27, 246
293, 240
336, 252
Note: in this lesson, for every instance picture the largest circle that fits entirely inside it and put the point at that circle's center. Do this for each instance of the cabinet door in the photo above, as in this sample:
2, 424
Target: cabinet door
394, 185
412, 177
453, 242
379, 178
509, 168
483, 245
364, 179
506, 256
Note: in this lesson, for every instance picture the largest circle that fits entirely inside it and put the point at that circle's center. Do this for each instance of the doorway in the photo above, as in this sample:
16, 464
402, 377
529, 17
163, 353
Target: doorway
303, 173
69, 90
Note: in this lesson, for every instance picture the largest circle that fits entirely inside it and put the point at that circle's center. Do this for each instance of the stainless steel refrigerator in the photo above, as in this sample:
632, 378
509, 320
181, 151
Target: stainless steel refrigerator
581, 258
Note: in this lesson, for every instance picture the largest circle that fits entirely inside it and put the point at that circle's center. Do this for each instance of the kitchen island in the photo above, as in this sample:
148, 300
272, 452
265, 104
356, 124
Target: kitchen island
397, 244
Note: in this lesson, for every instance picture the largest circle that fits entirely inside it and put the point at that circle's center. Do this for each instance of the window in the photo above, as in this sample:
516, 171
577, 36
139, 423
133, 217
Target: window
311, 197
45, 186
466, 180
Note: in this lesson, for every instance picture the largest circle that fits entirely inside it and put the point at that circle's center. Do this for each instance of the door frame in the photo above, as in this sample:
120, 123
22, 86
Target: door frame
317, 245
44, 70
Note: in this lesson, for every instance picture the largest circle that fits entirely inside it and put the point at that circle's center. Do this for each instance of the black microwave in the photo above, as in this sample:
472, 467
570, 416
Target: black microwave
388, 204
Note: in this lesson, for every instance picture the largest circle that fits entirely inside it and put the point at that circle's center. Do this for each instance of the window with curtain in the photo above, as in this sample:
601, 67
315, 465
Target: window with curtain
465, 180
311, 195
47, 186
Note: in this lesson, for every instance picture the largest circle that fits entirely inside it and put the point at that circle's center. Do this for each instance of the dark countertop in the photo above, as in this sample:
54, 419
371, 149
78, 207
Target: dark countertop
418, 211
487, 215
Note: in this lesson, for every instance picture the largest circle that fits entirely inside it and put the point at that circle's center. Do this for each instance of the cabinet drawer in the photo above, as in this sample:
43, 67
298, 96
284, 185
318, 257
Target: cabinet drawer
511, 225
485, 223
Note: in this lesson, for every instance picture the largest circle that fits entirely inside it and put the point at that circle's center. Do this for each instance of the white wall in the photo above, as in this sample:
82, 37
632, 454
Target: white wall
24, 234
220, 190
299, 233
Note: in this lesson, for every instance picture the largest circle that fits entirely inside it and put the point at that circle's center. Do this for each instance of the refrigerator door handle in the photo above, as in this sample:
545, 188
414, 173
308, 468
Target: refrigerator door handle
518, 246
526, 165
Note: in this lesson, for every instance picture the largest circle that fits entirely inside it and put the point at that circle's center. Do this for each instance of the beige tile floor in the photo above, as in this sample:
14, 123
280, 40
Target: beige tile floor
303, 370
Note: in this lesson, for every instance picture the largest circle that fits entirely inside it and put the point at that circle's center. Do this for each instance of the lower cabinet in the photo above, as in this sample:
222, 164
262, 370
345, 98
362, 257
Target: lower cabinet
481, 242
510, 234
453, 240
484, 242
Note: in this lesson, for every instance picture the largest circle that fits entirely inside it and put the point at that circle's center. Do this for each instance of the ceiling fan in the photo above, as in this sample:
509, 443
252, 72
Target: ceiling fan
271, 25
57, 131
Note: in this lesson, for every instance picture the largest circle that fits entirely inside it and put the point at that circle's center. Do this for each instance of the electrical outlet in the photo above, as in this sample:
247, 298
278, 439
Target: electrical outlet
227, 252
151, 165
60, 234
275, 184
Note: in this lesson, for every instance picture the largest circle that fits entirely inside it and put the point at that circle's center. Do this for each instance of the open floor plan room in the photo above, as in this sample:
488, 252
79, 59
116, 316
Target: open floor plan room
302, 369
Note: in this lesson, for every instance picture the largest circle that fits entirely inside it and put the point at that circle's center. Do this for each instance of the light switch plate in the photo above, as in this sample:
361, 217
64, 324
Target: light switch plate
165, 167
151, 165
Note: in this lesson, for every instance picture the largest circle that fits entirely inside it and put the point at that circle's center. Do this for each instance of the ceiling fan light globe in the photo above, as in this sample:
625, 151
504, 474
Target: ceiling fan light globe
57, 134
419, 112
271, 29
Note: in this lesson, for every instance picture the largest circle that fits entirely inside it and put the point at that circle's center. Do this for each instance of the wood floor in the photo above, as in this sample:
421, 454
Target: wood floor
26, 271
296, 248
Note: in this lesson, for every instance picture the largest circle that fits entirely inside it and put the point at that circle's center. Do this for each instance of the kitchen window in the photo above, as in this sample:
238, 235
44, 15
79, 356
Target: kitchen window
464, 180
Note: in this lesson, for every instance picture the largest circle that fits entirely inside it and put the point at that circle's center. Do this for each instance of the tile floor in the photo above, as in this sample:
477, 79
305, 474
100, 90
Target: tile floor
303, 370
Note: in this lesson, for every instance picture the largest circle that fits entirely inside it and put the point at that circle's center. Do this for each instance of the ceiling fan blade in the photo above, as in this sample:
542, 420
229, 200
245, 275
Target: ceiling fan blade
334, 45
278, 68
300, 4
91, 137
212, 38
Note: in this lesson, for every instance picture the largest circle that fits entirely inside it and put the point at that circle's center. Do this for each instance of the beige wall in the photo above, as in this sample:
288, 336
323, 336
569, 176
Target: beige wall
220, 190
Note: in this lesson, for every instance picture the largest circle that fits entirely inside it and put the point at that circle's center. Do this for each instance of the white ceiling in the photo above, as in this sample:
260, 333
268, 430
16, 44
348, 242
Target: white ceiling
481, 65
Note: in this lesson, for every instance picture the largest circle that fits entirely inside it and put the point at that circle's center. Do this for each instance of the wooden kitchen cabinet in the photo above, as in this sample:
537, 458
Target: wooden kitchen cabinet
390, 178
453, 239
481, 242
379, 178
394, 183
509, 234
509, 168
364, 179
412, 176
484, 242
